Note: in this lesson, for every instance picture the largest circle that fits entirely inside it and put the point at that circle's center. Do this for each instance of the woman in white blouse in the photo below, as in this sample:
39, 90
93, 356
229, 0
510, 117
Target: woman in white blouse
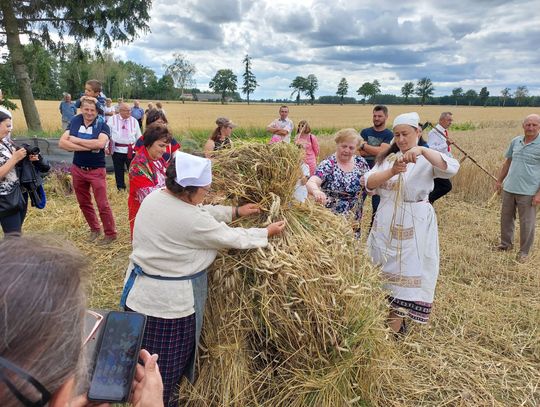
404, 236
175, 240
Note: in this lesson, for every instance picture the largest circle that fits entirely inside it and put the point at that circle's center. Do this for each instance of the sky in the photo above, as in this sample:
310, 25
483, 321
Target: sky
455, 43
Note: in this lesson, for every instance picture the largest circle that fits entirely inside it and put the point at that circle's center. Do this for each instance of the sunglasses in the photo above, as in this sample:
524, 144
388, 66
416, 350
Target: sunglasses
95, 320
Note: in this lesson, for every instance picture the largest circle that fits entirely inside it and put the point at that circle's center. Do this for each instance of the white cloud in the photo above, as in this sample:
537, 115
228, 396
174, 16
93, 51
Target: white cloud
454, 42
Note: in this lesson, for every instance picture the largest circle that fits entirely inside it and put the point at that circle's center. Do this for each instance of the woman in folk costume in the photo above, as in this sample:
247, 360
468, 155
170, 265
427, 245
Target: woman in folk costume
175, 240
404, 236
147, 169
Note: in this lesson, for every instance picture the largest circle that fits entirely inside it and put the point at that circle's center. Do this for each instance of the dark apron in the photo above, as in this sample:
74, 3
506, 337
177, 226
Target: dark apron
199, 284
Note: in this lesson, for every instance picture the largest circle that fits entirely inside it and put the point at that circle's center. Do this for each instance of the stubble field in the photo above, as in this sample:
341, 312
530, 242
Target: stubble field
482, 345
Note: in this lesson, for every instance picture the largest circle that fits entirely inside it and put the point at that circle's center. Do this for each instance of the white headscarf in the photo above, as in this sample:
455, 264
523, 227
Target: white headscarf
192, 170
412, 119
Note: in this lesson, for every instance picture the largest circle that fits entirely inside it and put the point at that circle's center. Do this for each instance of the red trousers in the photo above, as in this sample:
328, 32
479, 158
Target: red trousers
95, 180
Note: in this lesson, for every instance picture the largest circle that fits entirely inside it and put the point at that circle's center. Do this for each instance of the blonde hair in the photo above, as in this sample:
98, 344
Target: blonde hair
305, 125
346, 135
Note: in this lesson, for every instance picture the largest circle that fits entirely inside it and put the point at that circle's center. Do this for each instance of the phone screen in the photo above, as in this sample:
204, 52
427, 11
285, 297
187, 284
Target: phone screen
117, 357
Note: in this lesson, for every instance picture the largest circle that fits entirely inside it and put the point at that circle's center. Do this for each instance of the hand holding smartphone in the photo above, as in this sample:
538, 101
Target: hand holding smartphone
117, 356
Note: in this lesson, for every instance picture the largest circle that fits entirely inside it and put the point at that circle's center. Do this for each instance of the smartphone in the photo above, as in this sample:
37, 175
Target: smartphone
117, 357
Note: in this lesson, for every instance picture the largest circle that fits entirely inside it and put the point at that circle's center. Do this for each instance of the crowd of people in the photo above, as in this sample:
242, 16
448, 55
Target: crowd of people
175, 238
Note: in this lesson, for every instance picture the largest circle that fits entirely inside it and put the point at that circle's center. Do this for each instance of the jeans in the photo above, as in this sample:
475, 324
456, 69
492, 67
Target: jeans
95, 180
12, 224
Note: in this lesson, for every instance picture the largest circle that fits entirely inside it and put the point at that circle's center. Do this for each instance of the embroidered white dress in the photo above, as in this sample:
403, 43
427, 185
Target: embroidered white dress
404, 237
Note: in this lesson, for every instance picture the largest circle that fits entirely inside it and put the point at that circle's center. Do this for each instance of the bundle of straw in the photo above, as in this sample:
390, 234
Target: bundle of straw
299, 322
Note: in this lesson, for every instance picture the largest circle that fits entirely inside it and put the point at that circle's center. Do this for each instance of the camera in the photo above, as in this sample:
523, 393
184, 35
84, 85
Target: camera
31, 150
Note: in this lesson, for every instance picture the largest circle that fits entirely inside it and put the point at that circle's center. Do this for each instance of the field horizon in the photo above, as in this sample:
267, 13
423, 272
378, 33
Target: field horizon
201, 116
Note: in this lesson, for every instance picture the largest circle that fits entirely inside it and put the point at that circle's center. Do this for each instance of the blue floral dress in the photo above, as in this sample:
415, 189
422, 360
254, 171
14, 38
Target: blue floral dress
342, 189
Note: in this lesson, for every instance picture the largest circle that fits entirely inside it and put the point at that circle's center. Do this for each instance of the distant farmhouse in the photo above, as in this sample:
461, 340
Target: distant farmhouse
207, 97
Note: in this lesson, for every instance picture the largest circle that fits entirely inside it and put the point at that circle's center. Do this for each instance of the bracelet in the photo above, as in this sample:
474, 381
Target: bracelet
236, 212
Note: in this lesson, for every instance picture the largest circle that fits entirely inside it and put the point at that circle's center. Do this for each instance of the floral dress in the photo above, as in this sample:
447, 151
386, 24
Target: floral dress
10, 181
343, 190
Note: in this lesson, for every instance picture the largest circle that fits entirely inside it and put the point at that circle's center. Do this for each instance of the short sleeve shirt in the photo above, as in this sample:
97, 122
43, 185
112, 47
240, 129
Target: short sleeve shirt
375, 138
524, 174
10, 180
94, 158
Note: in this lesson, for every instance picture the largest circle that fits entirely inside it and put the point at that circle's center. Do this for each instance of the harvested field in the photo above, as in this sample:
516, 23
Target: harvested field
481, 347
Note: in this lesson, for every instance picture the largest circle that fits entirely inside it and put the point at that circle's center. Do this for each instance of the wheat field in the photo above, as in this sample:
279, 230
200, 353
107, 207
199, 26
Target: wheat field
202, 116
482, 345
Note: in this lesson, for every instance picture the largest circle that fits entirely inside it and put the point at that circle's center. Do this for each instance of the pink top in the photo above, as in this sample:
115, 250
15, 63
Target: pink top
311, 147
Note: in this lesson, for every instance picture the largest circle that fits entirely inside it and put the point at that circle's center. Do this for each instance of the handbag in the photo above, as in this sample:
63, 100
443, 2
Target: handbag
11, 203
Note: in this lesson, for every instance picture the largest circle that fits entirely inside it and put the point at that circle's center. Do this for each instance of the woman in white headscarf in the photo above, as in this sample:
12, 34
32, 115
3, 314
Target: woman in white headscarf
175, 239
404, 236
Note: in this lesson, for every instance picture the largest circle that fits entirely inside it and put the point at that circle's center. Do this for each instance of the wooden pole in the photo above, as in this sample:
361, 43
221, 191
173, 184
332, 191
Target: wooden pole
473, 160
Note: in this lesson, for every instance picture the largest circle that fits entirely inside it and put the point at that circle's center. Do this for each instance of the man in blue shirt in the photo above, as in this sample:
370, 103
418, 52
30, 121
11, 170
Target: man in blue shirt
375, 140
87, 137
67, 110
519, 181
137, 112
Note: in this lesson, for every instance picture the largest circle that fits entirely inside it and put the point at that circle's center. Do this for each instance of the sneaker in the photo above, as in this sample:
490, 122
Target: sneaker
94, 234
522, 258
107, 240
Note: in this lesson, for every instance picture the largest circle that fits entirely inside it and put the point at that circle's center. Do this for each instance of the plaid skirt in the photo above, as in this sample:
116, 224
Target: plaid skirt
174, 341
418, 311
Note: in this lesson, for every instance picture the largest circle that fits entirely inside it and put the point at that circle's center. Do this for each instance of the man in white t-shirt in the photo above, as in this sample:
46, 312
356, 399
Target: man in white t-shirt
125, 131
281, 128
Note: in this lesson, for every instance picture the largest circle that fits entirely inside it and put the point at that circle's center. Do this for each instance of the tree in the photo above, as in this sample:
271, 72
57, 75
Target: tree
104, 21
407, 90
299, 86
457, 93
470, 96
224, 81
250, 83
484, 95
181, 71
505, 94
342, 89
521, 94
311, 86
424, 89
369, 89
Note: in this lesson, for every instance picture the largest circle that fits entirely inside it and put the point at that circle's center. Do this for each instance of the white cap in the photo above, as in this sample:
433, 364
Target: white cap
192, 170
412, 119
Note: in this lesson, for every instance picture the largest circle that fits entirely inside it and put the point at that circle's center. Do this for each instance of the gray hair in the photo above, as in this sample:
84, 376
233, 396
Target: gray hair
43, 308
444, 115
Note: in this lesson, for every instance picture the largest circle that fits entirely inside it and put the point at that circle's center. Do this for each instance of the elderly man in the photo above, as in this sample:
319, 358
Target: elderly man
438, 140
519, 181
67, 110
375, 139
87, 137
137, 112
125, 131
281, 128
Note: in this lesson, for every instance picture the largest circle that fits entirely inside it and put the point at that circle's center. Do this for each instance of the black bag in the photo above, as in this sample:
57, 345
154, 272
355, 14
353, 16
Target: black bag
11, 203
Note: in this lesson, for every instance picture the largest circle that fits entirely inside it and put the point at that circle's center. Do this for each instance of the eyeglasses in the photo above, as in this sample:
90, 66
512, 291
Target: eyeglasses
45, 395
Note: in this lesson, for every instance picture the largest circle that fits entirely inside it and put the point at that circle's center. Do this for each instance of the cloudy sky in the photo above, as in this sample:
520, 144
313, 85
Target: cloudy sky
470, 44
